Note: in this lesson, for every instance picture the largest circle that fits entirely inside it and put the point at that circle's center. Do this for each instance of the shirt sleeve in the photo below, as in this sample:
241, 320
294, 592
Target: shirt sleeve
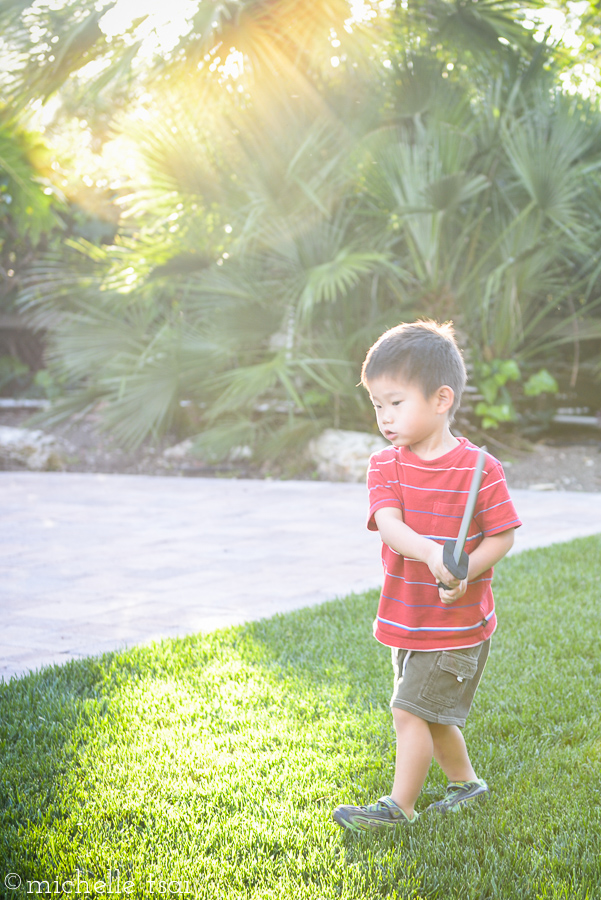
496, 512
383, 484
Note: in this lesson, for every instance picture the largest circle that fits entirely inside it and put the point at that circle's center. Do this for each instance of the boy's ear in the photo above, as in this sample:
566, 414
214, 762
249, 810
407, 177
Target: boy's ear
445, 397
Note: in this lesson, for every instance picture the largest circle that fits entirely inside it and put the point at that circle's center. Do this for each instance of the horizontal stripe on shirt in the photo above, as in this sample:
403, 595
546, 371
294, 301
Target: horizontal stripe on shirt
445, 609
437, 628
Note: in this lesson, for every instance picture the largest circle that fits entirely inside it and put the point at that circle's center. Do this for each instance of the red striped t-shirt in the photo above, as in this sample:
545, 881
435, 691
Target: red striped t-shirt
431, 495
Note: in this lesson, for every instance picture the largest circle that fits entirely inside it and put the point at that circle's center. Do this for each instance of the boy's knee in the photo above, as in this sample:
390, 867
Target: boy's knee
445, 736
404, 719
441, 731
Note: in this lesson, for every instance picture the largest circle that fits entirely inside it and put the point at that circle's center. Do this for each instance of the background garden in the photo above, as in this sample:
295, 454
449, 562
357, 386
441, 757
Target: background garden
209, 211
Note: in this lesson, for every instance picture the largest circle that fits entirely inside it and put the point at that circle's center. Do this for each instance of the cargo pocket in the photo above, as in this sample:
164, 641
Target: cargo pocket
448, 679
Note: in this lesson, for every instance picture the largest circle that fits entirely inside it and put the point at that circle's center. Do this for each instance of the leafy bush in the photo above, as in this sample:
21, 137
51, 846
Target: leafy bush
280, 228
498, 405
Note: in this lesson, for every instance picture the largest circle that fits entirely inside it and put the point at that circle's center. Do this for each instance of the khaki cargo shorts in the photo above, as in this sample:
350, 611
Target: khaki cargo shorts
438, 685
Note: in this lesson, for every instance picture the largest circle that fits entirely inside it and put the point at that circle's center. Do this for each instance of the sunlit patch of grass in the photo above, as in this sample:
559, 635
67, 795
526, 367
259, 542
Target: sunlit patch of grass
209, 766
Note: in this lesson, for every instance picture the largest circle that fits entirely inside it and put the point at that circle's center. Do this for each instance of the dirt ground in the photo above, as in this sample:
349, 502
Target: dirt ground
555, 464
562, 461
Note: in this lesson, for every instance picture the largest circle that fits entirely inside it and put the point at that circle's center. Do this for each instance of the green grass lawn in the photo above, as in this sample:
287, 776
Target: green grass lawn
208, 767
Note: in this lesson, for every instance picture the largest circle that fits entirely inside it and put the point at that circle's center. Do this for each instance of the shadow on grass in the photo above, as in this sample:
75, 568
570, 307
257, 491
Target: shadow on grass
208, 766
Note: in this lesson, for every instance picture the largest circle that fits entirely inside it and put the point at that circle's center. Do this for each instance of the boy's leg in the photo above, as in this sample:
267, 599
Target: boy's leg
418, 739
413, 758
433, 686
450, 752
414, 750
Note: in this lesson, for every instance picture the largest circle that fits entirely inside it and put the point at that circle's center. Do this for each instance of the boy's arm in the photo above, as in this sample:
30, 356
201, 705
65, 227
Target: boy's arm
404, 540
489, 552
399, 537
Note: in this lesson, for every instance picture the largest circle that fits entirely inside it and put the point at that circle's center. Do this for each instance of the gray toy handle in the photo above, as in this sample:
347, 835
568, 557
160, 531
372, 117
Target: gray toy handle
458, 569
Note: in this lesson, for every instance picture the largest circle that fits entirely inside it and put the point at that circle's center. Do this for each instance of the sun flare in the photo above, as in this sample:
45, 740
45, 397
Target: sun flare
163, 26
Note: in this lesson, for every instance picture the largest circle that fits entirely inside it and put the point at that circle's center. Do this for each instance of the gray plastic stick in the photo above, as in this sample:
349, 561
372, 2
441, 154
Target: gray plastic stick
469, 506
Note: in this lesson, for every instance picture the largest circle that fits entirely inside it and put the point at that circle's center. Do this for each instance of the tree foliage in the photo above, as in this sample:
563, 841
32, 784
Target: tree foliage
284, 217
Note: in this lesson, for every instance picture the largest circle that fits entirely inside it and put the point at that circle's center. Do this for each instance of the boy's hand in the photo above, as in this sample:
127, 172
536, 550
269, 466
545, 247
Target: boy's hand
452, 594
439, 570
454, 588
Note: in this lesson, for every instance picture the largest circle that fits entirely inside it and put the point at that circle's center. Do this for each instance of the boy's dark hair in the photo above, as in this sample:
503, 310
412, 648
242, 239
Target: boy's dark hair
424, 353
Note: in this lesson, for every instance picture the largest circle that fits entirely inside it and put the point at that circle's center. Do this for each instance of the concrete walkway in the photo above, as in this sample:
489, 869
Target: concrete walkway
90, 563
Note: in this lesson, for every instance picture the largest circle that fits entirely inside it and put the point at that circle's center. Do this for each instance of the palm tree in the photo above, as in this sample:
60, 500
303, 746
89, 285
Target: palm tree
28, 205
285, 224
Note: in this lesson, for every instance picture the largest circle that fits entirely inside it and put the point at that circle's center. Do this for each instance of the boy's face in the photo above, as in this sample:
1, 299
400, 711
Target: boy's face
405, 416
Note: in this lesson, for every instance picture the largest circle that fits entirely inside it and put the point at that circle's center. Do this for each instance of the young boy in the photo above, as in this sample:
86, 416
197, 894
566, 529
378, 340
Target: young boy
438, 627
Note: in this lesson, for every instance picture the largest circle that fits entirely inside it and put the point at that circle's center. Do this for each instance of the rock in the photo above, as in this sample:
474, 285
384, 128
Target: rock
184, 453
344, 455
178, 451
241, 453
32, 448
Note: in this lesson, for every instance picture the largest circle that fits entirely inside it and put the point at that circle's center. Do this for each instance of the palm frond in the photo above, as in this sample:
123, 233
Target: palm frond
475, 25
544, 156
244, 387
331, 280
